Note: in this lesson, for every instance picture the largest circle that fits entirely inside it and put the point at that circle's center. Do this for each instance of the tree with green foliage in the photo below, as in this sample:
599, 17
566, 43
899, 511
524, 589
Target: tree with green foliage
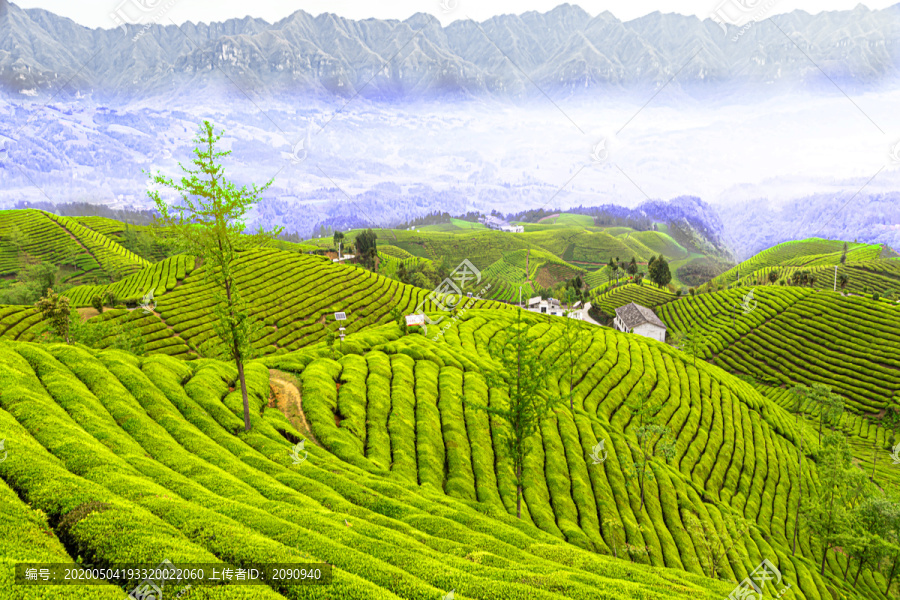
139, 242
209, 220
44, 275
711, 549
844, 254
614, 267
799, 392
613, 529
829, 404
843, 280
330, 338
830, 514
367, 248
632, 267
773, 276
690, 341
874, 517
653, 441
572, 339
398, 317
97, 302
107, 333
659, 272
337, 238
521, 376
56, 309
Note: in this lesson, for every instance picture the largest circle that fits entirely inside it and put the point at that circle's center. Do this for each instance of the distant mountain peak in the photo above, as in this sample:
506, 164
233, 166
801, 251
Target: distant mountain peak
559, 52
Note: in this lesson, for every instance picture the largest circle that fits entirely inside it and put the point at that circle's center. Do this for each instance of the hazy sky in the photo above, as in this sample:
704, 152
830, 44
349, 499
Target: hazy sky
95, 13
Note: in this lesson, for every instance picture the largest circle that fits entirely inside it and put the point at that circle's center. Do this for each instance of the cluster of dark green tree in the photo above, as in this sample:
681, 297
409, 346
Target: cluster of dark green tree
657, 270
432, 218
847, 511
32, 282
87, 209
569, 291
367, 249
150, 243
62, 323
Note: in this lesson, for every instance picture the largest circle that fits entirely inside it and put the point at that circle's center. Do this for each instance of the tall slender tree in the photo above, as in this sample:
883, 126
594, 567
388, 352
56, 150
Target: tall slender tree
653, 440
521, 374
208, 217
830, 514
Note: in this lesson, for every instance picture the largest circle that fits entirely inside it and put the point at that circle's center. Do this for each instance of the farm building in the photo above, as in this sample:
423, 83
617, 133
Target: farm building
492, 222
551, 306
640, 320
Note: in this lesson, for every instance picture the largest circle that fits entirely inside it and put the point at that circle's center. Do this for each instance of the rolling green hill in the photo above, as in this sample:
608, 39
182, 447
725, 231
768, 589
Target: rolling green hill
796, 335
119, 460
61, 241
408, 489
735, 456
813, 252
571, 239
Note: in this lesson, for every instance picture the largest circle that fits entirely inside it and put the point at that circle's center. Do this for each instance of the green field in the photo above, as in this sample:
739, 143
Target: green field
563, 247
62, 241
408, 488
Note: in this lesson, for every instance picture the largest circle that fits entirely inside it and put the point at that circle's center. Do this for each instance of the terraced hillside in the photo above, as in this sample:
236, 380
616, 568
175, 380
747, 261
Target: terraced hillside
158, 278
863, 277
406, 406
573, 241
645, 294
812, 252
293, 297
785, 335
62, 241
119, 460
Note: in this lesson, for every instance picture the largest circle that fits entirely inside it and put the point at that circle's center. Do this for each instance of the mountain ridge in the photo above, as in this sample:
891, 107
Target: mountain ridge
563, 51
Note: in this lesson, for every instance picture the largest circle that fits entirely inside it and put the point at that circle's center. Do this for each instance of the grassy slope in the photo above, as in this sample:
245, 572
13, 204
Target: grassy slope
810, 252
866, 276
293, 296
736, 451
796, 335
62, 240
142, 460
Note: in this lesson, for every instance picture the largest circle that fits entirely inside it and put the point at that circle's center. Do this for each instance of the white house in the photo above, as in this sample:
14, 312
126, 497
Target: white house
551, 306
492, 222
640, 320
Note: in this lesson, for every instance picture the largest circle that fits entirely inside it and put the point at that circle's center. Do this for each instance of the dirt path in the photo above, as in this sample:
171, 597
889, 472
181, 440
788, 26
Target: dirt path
288, 401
